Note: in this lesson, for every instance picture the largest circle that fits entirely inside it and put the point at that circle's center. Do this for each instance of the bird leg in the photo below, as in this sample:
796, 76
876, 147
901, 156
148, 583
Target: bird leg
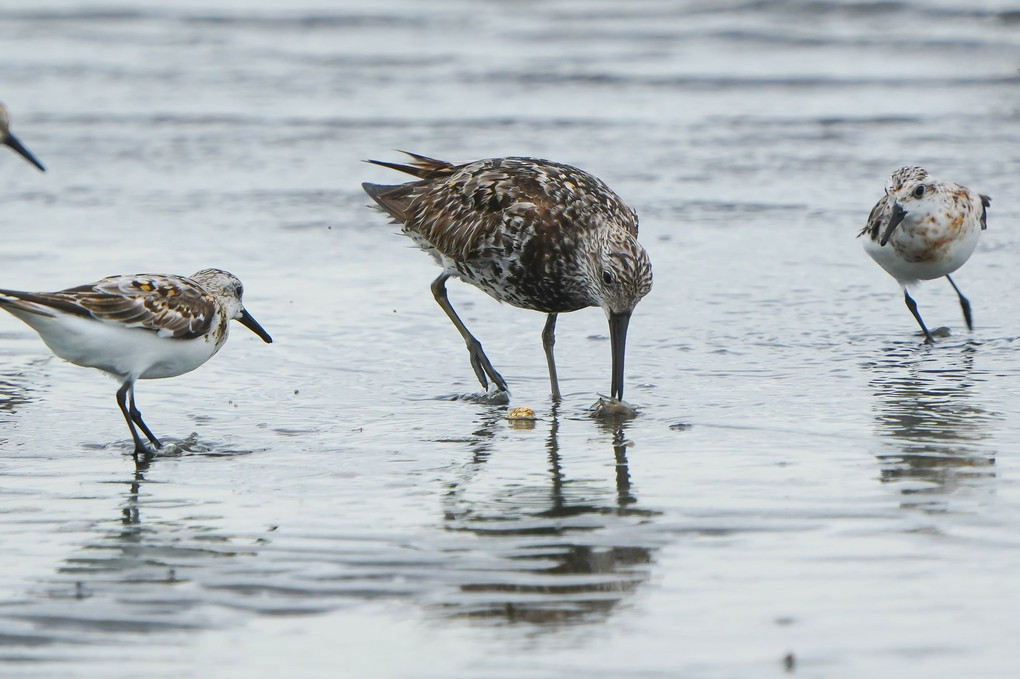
136, 415
548, 340
141, 448
479, 361
964, 304
912, 305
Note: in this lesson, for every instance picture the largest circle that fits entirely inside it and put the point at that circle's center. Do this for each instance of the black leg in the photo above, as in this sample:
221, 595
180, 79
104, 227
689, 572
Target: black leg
479, 361
548, 340
136, 415
964, 304
122, 396
912, 305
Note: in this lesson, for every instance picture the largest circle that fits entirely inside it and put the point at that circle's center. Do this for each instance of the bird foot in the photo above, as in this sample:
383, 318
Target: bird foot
941, 332
492, 397
495, 396
144, 453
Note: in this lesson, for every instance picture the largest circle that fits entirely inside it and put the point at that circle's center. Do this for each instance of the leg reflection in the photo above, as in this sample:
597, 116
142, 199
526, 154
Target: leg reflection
936, 436
569, 548
623, 496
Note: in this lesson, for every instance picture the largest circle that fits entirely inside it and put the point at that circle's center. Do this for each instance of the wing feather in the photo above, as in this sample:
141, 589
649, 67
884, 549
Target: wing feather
172, 306
463, 211
879, 215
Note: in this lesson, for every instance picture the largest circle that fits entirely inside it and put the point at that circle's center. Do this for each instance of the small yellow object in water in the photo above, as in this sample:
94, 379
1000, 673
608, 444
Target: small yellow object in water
521, 414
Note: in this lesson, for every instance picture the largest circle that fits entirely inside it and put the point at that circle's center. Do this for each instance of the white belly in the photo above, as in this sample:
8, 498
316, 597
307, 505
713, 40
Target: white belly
910, 256
118, 350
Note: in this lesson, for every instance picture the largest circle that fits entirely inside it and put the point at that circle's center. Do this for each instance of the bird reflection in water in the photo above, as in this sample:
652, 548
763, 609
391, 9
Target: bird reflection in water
557, 551
131, 567
15, 391
146, 550
936, 431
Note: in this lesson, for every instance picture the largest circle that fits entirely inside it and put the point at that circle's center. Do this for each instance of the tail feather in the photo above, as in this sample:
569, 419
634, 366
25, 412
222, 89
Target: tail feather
408, 169
422, 167
393, 200
10, 301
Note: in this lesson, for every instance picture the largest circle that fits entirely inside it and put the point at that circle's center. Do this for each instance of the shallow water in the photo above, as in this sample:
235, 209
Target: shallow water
805, 477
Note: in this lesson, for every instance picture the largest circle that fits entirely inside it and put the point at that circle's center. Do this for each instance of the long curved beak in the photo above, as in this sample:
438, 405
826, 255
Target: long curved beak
618, 323
19, 148
247, 321
898, 213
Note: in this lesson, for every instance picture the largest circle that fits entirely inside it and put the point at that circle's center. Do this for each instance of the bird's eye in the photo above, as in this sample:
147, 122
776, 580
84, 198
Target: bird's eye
608, 278
919, 191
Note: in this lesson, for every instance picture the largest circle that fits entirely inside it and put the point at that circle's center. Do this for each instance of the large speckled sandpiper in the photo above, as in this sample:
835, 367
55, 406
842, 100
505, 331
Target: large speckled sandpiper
924, 229
8, 139
533, 233
137, 327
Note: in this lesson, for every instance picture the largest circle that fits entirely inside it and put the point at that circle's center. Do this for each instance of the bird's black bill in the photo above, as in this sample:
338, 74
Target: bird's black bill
898, 213
13, 142
253, 325
618, 323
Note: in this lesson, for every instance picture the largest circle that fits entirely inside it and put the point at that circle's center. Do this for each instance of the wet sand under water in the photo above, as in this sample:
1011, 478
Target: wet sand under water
804, 480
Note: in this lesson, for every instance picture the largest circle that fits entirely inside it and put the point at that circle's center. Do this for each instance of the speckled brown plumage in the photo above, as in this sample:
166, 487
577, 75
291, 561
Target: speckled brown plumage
519, 229
173, 306
532, 233
963, 200
922, 229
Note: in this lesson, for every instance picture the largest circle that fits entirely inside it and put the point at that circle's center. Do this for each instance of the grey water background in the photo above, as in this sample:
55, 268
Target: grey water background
804, 478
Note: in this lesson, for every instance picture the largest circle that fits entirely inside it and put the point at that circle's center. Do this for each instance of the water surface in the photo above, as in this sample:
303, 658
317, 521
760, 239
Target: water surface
805, 477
